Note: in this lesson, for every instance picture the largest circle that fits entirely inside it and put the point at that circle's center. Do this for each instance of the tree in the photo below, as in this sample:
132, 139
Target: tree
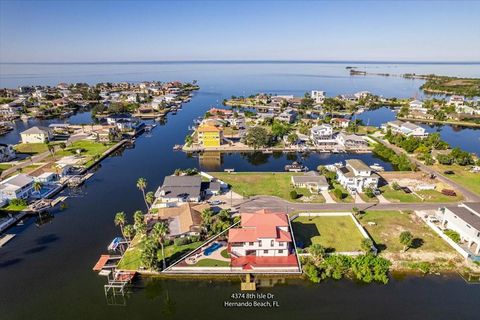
150, 198
369, 192
37, 186
395, 186
293, 195
139, 222
206, 215
51, 149
366, 245
129, 232
406, 239
338, 193
257, 137
120, 221
159, 232
317, 251
355, 210
142, 185
292, 138
149, 255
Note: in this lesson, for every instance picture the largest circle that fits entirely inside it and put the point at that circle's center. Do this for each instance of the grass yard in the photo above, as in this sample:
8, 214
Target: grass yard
211, 263
334, 233
398, 195
5, 166
436, 196
88, 147
461, 176
12, 207
31, 148
389, 225
132, 259
347, 199
250, 184
225, 254
427, 195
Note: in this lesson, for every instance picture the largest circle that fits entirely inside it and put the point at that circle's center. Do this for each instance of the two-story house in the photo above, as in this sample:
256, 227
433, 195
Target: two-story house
355, 176
262, 234
36, 135
464, 219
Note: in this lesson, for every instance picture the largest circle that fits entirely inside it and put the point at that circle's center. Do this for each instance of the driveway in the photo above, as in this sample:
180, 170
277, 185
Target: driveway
328, 197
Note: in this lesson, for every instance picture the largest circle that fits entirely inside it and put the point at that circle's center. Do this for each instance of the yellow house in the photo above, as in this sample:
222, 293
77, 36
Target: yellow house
209, 136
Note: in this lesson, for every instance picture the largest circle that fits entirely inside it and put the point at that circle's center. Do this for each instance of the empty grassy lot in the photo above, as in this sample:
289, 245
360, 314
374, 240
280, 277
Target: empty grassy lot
462, 176
31, 148
389, 225
427, 195
337, 233
276, 184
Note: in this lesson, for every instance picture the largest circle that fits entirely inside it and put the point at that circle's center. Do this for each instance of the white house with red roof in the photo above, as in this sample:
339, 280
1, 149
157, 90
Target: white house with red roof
263, 242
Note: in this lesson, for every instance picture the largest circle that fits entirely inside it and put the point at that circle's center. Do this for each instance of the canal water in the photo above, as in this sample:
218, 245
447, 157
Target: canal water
45, 271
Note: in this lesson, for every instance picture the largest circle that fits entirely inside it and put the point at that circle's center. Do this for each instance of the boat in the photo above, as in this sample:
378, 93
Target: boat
267, 151
377, 167
296, 167
177, 147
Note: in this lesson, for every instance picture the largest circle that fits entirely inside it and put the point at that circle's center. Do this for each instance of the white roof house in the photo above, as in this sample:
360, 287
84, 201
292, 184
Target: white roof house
36, 135
16, 187
318, 96
355, 176
405, 128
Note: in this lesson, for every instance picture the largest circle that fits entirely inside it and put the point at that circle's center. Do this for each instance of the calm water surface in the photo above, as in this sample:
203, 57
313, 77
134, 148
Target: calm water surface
45, 272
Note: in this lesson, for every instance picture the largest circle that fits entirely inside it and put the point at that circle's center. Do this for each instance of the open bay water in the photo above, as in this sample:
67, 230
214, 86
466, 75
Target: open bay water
45, 272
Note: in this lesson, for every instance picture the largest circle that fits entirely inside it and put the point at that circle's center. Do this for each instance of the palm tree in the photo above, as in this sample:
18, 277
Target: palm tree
150, 197
142, 185
160, 231
129, 232
317, 251
51, 149
120, 220
37, 186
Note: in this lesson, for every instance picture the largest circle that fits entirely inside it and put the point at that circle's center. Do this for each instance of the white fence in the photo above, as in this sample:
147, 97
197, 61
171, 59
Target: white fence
452, 243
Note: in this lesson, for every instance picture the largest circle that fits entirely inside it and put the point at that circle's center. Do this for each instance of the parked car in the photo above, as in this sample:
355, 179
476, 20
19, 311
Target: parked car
215, 202
449, 192
448, 172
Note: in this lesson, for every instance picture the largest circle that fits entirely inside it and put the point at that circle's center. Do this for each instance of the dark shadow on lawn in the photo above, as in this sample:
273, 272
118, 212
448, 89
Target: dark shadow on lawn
304, 233
417, 243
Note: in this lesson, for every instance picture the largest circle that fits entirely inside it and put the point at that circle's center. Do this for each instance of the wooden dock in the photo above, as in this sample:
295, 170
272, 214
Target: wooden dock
6, 238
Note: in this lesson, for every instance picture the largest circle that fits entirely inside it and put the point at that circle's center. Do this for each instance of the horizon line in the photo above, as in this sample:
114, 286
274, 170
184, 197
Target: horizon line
248, 61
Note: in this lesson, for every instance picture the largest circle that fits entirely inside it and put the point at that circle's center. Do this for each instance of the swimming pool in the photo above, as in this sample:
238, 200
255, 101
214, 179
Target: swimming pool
212, 248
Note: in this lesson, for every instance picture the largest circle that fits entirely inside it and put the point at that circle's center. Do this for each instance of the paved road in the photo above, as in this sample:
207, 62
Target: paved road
468, 195
274, 203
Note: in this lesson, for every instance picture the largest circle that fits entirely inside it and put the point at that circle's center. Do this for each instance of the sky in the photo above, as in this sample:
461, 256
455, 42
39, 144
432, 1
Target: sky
122, 30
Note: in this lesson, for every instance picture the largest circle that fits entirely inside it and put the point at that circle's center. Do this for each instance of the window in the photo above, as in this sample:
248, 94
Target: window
259, 243
272, 243
468, 226
250, 243
265, 251
280, 251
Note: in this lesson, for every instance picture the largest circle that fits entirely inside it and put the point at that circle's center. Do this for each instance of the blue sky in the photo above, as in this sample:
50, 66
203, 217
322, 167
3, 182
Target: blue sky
74, 31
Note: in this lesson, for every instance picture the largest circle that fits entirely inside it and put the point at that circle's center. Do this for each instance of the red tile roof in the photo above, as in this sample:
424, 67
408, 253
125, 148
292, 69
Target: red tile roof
261, 224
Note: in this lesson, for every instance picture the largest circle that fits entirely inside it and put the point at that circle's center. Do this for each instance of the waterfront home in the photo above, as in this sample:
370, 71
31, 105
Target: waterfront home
355, 176
351, 141
420, 115
36, 135
7, 152
288, 115
466, 110
348, 97
179, 189
19, 186
405, 128
464, 219
263, 242
318, 96
209, 135
417, 105
47, 177
322, 135
220, 112
339, 122
312, 181
182, 220
456, 100
362, 94
113, 119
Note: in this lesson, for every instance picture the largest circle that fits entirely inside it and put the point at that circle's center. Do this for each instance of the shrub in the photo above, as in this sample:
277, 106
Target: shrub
395, 186
181, 241
194, 238
293, 194
455, 236
369, 192
18, 202
338, 194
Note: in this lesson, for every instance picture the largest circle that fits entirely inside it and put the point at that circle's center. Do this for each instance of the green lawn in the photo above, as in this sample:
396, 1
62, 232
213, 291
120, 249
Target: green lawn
12, 207
427, 195
211, 263
461, 176
436, 196
335, 233
347, 199
225, 254
31, 148
389, 225
398, 195
5, 166
250, 184
89, 149
132, 258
